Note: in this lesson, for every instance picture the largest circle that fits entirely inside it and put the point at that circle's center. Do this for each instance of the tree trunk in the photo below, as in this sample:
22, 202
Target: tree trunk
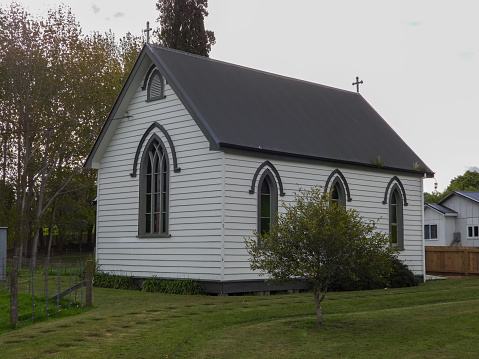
50, 237
319, 310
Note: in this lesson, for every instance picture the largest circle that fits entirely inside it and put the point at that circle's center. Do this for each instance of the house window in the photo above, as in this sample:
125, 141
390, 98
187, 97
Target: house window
396, 227
472, 231
154, 190
156, 87
267, 202
430, 231
338, 194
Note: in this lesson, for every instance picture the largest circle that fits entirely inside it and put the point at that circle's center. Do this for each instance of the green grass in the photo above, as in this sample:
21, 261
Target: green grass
435, 320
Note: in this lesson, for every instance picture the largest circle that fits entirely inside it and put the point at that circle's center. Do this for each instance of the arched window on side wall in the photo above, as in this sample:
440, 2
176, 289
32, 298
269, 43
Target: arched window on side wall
396, 221
338, 193
154, 179
267, 202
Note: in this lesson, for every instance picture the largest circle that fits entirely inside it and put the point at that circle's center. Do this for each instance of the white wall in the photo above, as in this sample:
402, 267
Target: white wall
468, 214
367, 192
194, 248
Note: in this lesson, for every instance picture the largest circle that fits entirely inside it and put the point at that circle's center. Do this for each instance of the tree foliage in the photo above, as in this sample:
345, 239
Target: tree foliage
182, 26
469, 181
57, 87
316, 241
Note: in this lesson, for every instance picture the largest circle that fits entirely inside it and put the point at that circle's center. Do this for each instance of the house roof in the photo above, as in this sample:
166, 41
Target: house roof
471, 195
442, 209
239, 108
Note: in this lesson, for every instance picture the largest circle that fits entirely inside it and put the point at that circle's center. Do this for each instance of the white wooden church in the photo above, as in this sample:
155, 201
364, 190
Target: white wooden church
196, 154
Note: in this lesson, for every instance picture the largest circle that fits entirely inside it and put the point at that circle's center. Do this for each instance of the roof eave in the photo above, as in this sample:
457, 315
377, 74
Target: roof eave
226, 147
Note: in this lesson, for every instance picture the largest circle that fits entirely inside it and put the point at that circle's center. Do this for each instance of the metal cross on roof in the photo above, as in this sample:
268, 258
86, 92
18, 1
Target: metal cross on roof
147, 30
357, 83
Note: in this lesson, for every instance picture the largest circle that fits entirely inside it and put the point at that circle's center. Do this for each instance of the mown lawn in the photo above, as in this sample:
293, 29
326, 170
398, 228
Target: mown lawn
438, 319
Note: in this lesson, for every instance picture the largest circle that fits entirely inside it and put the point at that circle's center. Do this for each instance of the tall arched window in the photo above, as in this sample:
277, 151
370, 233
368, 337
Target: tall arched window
154, 190
396, 227
267, 201
338, 194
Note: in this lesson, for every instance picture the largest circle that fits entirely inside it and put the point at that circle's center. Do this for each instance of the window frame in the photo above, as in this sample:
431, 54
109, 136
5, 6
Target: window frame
273, 201
163, 211
396, 210
428, 232
337, 186
149, 97
472, 231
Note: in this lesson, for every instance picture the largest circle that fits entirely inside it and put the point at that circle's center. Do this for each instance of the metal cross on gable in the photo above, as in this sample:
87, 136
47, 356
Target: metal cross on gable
357, 83
147, 30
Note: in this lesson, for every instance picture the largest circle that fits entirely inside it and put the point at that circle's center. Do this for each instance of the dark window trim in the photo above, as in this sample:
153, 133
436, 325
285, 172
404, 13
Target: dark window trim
340, 190
399, 216
276, 177
428, 233
335, 174
267, 176
473, 230
155, 124
142, 188
398, 183
153, 71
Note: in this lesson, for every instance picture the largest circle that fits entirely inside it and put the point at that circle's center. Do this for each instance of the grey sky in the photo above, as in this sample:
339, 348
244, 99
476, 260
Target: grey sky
419, 59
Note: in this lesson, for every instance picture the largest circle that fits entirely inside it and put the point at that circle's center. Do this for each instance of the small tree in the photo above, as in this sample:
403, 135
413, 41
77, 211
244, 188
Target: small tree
315, 240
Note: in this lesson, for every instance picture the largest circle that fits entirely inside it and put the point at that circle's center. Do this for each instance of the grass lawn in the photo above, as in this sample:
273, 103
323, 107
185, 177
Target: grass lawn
438, 319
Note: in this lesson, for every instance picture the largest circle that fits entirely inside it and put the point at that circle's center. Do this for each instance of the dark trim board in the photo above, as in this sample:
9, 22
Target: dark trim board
248, 286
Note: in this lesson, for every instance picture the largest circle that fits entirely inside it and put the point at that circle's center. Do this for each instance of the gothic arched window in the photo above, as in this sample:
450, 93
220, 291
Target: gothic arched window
153, 219
267, 201
396, 222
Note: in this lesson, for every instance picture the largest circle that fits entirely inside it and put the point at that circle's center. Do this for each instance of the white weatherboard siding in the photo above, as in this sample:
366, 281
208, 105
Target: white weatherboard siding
195, 202
367, 188
468, 215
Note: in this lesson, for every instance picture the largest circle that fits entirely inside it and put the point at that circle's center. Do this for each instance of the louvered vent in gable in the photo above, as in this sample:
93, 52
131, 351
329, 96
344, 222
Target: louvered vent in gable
156, 86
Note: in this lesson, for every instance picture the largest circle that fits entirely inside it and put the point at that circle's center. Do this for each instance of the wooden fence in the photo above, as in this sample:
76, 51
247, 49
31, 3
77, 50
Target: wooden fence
452, 260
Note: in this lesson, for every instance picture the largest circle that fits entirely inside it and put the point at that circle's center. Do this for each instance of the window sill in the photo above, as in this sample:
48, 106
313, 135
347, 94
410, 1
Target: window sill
156, 235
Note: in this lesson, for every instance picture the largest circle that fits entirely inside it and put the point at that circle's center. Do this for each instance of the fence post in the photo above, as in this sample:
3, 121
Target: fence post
89, 284
3, 253
14, 293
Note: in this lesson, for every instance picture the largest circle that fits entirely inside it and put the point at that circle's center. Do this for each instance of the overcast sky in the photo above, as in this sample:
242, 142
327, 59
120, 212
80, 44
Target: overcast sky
419, 60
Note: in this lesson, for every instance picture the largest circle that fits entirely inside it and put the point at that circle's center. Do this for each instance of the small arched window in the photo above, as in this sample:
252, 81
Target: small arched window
153, 219
396, 222
267, 202
338, 194
156, 86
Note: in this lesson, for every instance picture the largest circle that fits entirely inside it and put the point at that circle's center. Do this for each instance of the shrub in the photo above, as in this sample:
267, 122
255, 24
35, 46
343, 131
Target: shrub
401, 276
105, 280
188, 286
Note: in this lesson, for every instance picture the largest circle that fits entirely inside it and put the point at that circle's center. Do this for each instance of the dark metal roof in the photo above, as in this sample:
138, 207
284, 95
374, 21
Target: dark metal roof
472, 195
250, 109
242, 108
440, 208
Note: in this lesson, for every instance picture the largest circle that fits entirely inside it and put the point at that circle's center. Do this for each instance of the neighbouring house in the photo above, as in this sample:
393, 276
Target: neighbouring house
196, 154
453, 221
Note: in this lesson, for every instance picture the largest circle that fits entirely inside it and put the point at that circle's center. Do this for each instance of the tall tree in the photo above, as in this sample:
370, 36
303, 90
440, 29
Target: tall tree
316, 240
182, 26
57, 87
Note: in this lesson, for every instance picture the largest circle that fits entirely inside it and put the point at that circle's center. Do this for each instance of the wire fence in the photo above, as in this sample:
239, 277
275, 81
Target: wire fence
28, 295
